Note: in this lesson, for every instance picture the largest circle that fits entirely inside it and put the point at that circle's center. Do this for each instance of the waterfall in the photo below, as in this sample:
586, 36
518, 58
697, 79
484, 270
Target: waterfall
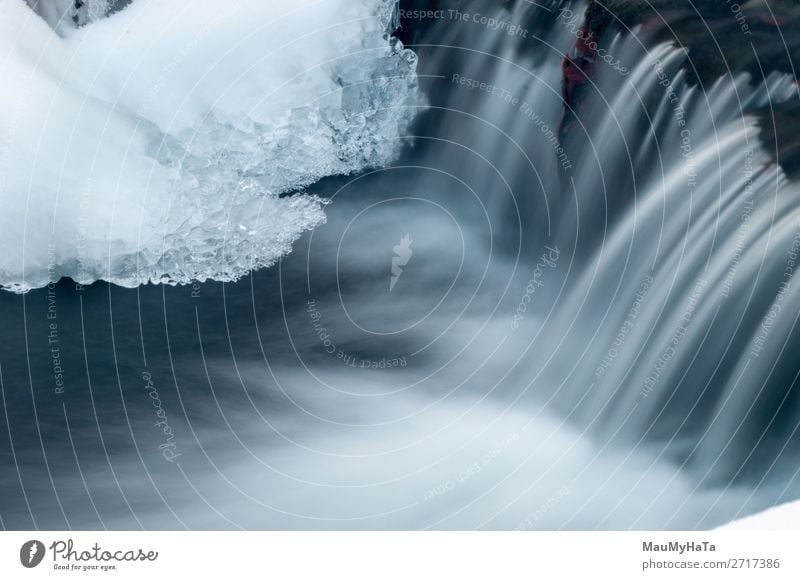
672, 326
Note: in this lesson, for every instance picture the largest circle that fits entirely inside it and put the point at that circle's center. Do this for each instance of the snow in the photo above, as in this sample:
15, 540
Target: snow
155, 144
785, 517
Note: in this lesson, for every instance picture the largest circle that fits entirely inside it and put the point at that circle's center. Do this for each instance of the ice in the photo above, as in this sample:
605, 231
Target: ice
785, 517
64, 15
161, 143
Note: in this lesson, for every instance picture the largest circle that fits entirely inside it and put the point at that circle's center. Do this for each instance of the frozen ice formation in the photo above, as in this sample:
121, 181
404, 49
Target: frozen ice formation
63, 15
171, 141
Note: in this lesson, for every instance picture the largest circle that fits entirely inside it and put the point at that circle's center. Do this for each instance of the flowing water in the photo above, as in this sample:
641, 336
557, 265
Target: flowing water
533, 319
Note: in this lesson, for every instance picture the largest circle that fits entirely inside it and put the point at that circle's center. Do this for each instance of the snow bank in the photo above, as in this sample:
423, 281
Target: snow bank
785, 517
154, 145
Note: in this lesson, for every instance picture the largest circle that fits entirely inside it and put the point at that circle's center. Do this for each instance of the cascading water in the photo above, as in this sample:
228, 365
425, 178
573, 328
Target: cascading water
546, 313
682, 237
